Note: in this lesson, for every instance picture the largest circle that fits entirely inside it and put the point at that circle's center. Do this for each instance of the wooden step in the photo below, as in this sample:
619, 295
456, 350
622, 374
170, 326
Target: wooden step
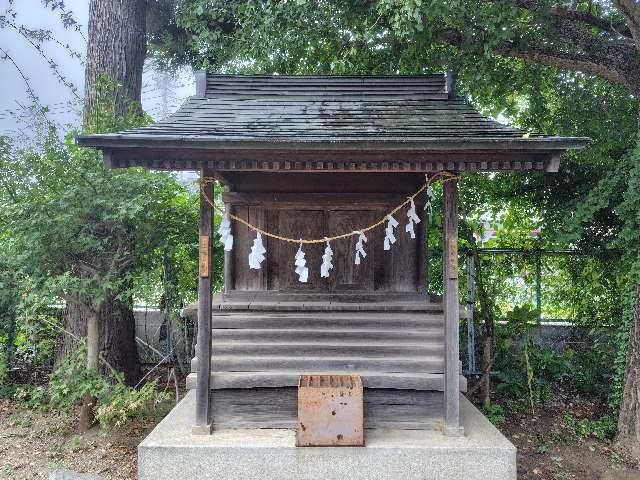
393, 349
284, 378
328, 320
386, 302
338, 346
262, 335
331, 303
307, 364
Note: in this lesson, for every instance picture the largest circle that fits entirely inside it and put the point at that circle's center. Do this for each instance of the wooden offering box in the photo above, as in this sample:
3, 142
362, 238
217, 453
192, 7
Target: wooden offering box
330, 411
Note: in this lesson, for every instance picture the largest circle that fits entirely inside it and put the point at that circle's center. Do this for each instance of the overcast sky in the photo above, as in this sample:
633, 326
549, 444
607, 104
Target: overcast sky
52, 93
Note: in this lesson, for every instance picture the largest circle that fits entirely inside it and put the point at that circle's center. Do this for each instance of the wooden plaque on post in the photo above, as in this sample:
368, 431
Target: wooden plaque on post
204, 256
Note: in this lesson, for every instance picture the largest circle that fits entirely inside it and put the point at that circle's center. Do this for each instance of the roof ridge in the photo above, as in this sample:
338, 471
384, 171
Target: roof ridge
266, 75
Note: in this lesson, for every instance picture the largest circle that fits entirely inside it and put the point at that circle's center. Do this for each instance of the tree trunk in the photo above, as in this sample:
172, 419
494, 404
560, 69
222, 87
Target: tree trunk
628, 437
87, 412
486, 311
629, 420
118, 339
116, 332
116, 47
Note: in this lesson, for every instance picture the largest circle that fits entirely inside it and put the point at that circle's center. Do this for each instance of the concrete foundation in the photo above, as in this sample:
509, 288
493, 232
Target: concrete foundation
172, 452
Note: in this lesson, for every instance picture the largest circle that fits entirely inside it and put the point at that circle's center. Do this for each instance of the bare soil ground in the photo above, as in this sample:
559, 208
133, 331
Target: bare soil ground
34, 443
549, 449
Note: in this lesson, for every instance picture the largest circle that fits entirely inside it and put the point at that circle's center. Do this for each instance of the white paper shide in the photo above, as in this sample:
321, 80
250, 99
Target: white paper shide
360, 253
301, 266
256, 256
413, 218
327, 259
225, 233
389, 237
427, 206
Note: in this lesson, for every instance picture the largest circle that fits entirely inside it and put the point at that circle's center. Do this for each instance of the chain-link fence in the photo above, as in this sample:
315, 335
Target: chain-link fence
159, 338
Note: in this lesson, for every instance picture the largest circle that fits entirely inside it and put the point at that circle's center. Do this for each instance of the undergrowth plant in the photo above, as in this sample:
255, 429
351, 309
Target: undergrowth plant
116, 403
496, 414
532, 374
601, 428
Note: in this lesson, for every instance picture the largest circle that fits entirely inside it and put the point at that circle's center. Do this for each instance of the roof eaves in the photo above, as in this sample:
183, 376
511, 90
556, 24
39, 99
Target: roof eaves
120, 141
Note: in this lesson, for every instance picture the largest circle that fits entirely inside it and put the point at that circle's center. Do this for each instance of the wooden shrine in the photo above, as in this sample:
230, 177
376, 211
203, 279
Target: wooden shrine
311, 157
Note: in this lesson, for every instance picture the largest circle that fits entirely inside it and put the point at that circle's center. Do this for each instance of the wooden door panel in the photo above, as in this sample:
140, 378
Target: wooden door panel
300, 224
346, 275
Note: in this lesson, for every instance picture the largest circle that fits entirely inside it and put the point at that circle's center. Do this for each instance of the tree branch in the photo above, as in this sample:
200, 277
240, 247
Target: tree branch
4, 55
572, 37
573, 62
66, 16
631, 10
27, 35
606, 24
603, 23
586, 55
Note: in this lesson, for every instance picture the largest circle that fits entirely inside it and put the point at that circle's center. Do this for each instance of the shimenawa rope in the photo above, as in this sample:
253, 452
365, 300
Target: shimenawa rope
446, 177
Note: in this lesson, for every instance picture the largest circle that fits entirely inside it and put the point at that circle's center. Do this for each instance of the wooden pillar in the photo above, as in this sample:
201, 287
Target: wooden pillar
203, 421
451, 310
423, 254
229, 273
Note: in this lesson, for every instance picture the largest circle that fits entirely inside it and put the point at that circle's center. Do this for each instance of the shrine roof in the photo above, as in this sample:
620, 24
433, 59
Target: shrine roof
255, 122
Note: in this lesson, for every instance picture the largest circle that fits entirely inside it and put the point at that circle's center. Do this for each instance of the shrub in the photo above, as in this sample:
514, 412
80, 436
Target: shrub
604, 427
121, 404
71, 381
117, 403
496, 414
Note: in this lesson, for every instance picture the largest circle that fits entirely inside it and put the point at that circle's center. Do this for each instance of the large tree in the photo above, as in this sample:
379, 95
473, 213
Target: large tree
116, 47
87, 232
116, 50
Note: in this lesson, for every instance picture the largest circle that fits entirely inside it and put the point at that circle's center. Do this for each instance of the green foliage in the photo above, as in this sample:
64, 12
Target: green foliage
37, 325
604, 427
31, 397
542, 448
117, 403
29, 326
553, 373
85, 233
496, 414
71, 382
527, 370
9, 298
122, 404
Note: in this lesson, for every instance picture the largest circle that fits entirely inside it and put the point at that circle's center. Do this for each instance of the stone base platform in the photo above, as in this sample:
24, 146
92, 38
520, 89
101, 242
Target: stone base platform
172, 452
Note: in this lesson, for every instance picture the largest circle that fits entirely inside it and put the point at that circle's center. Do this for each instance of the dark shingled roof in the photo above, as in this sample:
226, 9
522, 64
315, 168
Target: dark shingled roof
416, 113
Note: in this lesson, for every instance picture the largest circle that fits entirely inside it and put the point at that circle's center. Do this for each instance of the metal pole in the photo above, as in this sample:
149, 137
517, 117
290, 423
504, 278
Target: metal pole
471, 297
538, 286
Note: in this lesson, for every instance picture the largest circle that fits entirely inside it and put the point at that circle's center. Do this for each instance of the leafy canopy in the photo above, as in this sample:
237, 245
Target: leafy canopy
83, 230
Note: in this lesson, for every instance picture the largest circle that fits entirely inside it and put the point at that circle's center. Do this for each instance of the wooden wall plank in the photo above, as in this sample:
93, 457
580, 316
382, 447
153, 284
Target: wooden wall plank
380, 271
303, 224
277, 408
346, 276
